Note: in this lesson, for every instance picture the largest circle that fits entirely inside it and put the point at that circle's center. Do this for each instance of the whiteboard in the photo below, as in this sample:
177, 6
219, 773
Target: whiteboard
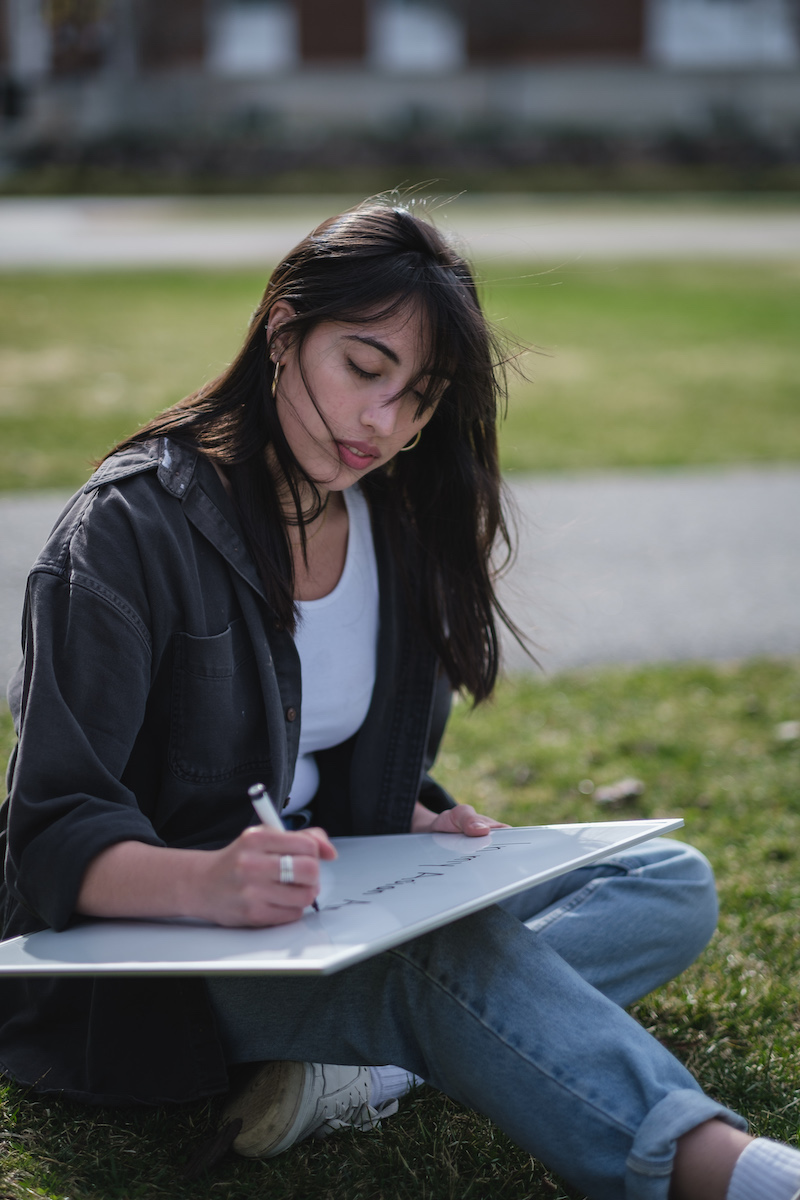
379, 892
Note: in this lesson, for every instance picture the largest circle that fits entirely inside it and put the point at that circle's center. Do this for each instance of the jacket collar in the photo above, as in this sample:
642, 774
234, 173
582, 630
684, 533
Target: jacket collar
210, 509
192, 480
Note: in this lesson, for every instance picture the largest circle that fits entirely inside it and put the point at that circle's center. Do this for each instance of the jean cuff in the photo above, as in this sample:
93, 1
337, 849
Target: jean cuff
650, 1160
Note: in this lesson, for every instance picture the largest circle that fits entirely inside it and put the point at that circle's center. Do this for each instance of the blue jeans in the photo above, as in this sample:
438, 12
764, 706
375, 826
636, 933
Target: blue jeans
516, 1012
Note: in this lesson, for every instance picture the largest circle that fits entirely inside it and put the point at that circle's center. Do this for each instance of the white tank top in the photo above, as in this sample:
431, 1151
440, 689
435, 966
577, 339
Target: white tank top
337, 640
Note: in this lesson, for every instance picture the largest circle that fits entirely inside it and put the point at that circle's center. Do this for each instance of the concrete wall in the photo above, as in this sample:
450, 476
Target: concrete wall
624, 98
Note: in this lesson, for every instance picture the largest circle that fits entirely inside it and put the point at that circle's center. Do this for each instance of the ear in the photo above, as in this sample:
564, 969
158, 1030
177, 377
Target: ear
280, 312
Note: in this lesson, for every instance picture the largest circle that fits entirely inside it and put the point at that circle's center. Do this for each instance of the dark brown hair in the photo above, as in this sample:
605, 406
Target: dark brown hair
442, 501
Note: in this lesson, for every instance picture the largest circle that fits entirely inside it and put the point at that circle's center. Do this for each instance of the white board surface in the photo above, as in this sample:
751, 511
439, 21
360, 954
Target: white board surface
381, 891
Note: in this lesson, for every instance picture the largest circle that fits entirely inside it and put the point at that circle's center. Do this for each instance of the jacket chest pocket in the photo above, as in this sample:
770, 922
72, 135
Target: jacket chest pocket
218, 728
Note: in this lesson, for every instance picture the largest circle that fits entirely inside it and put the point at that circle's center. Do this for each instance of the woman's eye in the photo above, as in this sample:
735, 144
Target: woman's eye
362, 374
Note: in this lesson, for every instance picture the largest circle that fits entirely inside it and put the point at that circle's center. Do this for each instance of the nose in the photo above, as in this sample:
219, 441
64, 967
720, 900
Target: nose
381, 415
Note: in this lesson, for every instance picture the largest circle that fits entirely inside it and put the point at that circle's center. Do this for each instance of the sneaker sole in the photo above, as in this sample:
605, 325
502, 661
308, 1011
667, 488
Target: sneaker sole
268, 1107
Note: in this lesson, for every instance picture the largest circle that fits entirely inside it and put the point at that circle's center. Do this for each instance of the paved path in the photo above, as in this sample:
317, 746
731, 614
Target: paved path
641, 567
617, 567
69, 233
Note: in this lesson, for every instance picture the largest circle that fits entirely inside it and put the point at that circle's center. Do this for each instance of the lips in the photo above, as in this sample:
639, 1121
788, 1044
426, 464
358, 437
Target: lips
357, 455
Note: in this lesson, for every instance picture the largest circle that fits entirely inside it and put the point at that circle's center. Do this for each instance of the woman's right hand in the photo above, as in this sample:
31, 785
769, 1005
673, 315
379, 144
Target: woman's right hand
240, 884
237, 885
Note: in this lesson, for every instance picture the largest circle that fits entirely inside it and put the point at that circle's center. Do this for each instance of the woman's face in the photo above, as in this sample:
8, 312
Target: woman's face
363, 409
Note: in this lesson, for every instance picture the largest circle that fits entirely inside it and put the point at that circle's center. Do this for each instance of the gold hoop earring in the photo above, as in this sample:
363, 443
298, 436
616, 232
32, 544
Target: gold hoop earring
410, 445
275, 377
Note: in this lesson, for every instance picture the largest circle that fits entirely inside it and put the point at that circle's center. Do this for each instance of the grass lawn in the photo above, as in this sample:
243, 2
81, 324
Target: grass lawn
633, 365
653, 365
712, 745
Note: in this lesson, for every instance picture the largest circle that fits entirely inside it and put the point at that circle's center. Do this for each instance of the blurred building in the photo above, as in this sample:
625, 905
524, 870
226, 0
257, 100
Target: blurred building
84, 68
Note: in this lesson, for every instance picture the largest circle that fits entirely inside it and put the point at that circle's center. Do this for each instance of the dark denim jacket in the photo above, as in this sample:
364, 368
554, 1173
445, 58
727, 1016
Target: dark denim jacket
156, 687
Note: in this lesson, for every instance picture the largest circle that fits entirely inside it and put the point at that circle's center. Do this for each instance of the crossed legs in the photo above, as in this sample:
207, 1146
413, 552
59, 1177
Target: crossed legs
489, 1011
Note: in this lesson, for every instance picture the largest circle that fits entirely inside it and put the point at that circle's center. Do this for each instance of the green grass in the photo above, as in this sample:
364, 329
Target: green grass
638, 365
86, 358
706, 741
667, 364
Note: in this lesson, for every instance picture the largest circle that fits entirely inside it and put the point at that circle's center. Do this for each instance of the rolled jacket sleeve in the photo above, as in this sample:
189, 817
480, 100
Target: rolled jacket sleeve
82, 706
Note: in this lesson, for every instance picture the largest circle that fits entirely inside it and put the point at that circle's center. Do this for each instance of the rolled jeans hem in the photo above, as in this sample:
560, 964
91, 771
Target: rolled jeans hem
650, 1162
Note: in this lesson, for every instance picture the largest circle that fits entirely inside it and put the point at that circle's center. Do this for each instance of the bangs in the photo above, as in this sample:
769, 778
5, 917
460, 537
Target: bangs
461, 362
379, 262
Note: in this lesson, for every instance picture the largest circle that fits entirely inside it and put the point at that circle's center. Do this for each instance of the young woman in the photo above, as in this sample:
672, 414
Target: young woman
283, 578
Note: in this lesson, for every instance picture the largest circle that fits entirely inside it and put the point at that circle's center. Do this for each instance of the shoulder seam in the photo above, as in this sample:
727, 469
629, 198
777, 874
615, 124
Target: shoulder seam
90, 584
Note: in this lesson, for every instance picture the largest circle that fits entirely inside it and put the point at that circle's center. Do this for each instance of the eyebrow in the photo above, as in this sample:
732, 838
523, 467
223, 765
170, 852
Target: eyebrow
370, 341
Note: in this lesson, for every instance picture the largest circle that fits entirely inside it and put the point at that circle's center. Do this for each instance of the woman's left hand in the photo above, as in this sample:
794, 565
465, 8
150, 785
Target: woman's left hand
461, 819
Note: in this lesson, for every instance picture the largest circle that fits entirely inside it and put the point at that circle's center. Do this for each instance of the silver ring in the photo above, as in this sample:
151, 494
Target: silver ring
287, 868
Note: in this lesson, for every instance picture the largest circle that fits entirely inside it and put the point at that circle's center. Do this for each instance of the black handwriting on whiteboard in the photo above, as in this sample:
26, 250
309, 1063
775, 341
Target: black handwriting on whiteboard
386, 887
422, 874
465, 858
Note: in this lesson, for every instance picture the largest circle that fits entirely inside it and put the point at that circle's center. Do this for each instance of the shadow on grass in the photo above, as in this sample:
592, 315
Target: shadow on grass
434, 1150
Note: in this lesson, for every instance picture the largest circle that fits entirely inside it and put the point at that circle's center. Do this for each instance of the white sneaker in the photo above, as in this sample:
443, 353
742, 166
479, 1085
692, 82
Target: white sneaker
285, 1102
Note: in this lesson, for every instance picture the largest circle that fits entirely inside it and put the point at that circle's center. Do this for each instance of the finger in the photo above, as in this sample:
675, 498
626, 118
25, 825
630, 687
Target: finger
476, 824
275, 906
327, 850
261, 839
275, 914
484, 824
296, 870
259, 894
293, 897
469, 821
475, 827
261, 875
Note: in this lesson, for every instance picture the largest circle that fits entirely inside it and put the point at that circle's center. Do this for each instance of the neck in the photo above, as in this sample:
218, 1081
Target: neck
311, 499
311, 527
312, 508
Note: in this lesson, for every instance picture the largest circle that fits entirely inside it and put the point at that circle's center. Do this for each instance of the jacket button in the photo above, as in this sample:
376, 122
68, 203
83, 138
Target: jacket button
291, 714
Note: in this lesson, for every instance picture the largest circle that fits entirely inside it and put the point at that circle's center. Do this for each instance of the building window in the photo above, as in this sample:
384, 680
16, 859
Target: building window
416, 37
722, 33
27, 40
252, 37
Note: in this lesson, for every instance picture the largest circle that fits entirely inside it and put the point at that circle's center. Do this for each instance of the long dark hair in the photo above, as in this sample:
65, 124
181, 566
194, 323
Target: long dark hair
443, 500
